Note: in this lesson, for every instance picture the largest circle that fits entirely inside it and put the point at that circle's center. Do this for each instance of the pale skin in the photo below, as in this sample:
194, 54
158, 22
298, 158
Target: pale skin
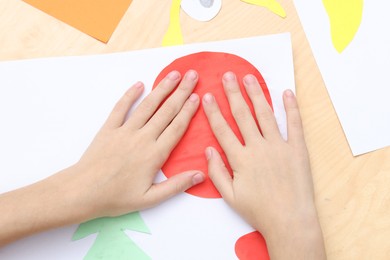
271, 189
116, 173
272, 186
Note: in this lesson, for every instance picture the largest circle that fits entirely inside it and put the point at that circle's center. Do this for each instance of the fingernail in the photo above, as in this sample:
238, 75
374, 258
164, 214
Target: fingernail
249, 79
289, 93
197, 178
208, 98
193, 98
174, 75
229, 76
139, 84
191, 75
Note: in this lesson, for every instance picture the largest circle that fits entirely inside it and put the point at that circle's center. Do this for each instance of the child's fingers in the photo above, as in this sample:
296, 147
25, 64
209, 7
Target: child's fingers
172, 106
118, 115
222, 131
240, 109
173, 186
150, 104
294, 122
263, 111
219, 174
175, 130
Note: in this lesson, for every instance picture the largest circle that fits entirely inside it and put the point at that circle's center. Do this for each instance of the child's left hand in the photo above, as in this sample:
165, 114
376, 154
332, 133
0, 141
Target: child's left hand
117, 171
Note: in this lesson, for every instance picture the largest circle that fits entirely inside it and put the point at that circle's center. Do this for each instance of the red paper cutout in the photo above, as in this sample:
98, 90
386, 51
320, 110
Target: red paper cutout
189, 153
251, 246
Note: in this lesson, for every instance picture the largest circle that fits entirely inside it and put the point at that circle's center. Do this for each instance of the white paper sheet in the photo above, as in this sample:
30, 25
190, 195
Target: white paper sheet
357, 79
50, 110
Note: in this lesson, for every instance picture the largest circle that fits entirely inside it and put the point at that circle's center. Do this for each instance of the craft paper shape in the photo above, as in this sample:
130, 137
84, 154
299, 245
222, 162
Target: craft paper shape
252, 246
111, 241
64, 102
345, 18
189, 152
201, 10
206, 3
173, 36
97, 18
205, 10
271, 5
357, 78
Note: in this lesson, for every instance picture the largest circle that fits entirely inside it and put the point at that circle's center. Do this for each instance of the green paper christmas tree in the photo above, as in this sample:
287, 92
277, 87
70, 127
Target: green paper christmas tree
111, 241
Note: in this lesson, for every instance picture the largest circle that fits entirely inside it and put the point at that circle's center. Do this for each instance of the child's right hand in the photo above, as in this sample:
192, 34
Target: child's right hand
272, 185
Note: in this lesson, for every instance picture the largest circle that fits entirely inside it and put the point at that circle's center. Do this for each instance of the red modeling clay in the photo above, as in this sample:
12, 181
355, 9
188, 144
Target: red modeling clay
189, 153
251, 246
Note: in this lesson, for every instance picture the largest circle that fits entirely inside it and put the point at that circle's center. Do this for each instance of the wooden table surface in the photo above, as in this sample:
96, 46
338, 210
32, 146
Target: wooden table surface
352, 194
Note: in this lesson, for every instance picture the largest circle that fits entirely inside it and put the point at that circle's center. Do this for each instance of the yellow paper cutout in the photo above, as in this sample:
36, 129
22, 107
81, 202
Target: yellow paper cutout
271, 5
173, 36
97, 18
345, 17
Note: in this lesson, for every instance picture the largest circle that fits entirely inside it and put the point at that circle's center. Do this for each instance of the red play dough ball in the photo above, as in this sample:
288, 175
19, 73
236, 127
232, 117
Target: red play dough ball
189, 153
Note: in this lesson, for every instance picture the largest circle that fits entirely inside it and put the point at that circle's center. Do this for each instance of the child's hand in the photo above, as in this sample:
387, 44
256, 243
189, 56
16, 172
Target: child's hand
272, 185
117, 171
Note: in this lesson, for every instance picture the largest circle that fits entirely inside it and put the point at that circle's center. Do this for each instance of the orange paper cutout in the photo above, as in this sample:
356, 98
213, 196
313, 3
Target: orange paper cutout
97, 18
252, 246
189, 152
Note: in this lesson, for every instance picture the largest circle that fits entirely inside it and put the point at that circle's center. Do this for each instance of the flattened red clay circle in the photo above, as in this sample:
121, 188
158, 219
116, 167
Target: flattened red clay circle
189, 152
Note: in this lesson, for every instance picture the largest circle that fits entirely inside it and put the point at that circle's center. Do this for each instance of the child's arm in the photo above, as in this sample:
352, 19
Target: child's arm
272, 186
116, 173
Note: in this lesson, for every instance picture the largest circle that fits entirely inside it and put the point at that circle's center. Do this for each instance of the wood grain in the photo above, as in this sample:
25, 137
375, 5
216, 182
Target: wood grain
352, 194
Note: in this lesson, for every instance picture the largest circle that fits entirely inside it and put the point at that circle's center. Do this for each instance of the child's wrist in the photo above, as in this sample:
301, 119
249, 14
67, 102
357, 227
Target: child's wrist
296, 233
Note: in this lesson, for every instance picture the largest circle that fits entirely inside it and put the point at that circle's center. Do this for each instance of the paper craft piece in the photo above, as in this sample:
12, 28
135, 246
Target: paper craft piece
201, 10
271, 5
206, 3
111, 241
189, 152
97, 18
173, 36
345, 18
50, 98
252, 246
356, 79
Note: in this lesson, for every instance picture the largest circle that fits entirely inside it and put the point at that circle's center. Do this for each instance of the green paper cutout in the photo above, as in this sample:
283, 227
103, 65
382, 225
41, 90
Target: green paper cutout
111, 241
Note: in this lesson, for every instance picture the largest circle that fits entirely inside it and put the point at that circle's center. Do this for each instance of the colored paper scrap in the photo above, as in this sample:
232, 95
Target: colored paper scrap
345, 18
189, 152
173, 36
97, 18
111, 241
357, 78
271, 5
201, 10
252, 246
